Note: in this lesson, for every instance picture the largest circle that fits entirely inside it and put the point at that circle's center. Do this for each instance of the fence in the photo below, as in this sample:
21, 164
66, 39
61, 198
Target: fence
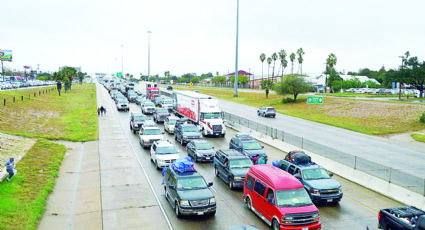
391, 175
7, 99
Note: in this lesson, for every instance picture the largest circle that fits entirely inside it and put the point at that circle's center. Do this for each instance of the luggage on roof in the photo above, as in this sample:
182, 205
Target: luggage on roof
298, 157
183, 164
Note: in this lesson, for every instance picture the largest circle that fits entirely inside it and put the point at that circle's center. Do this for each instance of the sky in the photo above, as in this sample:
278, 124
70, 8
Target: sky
198, 36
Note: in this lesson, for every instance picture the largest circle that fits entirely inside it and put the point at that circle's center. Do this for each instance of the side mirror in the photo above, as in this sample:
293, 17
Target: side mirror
162, 132
171, 187
271, 201
213, 147
210, 184
298, 176
262, 146
331, 174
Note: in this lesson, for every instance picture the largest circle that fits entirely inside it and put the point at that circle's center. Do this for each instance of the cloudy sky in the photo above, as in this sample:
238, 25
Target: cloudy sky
198, 36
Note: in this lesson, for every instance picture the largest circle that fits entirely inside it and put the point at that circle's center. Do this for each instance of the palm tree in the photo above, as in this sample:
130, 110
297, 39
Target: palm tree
300, 53
331, 62
274, 57
292, 58
282, 57
269, 61
262, 58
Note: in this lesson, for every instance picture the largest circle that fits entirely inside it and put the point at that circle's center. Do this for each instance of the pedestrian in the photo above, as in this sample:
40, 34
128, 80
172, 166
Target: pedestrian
102, 110
98, 111
267, 92
59, 87
10, 167
261, 160
255, 159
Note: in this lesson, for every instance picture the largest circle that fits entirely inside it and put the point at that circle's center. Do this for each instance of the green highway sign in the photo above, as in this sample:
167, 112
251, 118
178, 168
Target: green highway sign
314, 100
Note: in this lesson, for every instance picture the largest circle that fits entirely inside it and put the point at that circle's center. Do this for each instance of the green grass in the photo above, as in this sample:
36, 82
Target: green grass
23, 199
71, 116
418, 137
365, 116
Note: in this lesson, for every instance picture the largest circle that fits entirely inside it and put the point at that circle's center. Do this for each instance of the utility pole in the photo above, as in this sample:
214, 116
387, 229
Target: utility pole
122, 60
399, 84
149, 54
237, 41
2, 69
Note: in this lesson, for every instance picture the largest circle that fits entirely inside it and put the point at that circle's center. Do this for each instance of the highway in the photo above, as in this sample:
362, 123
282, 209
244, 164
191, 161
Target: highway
358, 208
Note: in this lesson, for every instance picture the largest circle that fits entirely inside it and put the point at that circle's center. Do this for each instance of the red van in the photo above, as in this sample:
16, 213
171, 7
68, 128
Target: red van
279, 199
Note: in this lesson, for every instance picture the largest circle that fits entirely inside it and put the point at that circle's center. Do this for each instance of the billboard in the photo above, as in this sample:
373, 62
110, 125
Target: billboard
6, 55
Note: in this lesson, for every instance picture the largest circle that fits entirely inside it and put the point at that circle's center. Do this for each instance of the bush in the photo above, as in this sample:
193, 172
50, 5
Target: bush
422, 119
286, 100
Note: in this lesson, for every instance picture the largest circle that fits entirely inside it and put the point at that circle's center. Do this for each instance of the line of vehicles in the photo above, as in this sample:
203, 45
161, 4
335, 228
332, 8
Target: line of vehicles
283, 194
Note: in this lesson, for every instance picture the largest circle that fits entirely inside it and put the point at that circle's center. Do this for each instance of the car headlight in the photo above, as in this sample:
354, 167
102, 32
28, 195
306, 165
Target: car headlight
146, 141
184, 137
340, 190
316, 217
315, 191
237, 178
287, 220
184, 203
212, 200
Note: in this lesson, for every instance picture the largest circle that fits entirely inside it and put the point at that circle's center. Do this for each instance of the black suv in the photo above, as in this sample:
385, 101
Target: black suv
185, 132
188, 193
136, 121
200, 150
231, 166
247, 145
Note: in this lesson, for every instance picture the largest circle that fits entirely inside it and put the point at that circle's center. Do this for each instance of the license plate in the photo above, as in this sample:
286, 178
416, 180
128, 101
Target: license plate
207, 158
304, 228
329, 200
200, 213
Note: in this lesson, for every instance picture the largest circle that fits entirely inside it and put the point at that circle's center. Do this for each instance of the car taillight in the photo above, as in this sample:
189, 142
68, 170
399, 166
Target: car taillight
379, 216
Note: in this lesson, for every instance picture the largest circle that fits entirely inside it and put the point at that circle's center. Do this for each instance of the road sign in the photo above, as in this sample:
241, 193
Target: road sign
314, 100
191, 84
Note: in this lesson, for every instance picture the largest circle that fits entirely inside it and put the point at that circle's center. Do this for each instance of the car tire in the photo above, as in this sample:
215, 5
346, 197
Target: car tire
212, 213
175, 137
275, 225
181, 141
195, 159
216, 171
248, 203
134, 131
258, 113
177, 210
274, 116
156, 165
231, 184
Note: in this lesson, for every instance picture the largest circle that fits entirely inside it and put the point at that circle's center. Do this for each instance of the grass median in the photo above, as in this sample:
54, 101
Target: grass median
42, 115
364, 116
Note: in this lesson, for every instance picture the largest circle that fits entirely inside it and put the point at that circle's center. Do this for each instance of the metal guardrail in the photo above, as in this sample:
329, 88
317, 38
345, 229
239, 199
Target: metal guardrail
391, 175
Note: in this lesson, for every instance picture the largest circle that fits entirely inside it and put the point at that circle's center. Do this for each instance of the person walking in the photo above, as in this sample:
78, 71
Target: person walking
102, 110
59, 87
267, 92
10, 167
98, 111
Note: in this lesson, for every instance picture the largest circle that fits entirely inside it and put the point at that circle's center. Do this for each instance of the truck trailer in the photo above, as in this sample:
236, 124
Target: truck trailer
149, 90
203, 110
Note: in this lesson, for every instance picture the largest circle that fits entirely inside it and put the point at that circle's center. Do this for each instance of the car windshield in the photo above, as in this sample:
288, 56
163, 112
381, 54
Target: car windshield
212, 115
203, 145
168, 102
166, 150
191, 183
149, 105
158, 99
270, 110
140, 118
154, 92
122, 101
152, 132
292, 198
240, 163
190, 128
315, 174
162, 110
250, 145
172, 121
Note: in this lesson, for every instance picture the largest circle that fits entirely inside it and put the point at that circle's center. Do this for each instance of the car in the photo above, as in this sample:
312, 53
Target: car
318, 183
231, 166
163, 153
169, 87
187, 191
136, 121
148, 135
149, 123
148, 107
160, 114
266, 112
200, 150
157, 101
167, 104
169, 123
139, 100
122, 105
185, 132
401, 218
248, 146
131, 95
119, 96
279, 199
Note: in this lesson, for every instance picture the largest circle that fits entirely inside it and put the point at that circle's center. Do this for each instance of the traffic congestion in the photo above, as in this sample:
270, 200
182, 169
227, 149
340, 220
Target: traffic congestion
208, 154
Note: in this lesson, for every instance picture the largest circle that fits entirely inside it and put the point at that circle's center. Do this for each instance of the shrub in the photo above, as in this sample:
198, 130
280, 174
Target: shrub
286, 100
422, 119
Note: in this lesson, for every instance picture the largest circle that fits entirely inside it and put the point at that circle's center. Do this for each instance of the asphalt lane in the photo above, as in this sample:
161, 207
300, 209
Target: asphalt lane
358, 209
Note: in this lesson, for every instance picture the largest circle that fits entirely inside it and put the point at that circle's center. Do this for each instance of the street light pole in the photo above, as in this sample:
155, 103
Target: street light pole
237, 41
149, 54
122, 60
399, 84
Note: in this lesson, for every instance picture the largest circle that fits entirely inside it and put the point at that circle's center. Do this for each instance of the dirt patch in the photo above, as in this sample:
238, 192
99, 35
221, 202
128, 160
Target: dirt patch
13, 146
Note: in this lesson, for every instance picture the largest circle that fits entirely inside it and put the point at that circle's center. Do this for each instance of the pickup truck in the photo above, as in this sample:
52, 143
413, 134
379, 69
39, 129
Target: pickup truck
401, 218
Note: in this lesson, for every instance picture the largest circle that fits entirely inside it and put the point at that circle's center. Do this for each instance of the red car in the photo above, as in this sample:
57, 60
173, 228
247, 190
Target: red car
279, 199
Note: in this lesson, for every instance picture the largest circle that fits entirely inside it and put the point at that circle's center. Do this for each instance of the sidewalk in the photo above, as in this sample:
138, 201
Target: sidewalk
101, 185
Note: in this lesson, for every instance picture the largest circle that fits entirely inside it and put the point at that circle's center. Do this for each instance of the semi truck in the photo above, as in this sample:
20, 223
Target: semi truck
150, 90
203, 110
